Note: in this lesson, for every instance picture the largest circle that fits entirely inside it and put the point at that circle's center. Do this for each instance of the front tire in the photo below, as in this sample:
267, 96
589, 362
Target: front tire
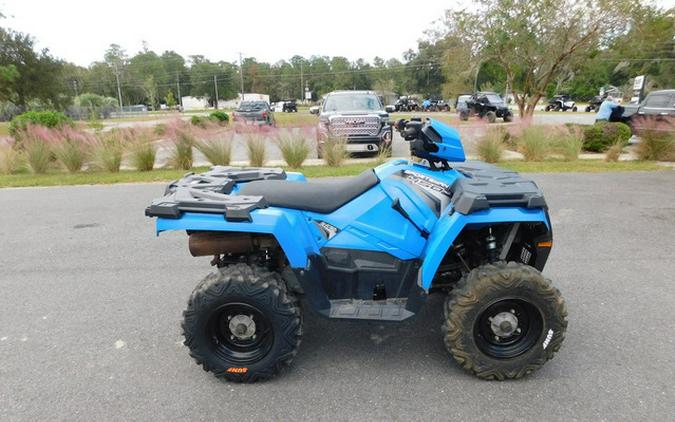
504, 321
242, 324
491, 116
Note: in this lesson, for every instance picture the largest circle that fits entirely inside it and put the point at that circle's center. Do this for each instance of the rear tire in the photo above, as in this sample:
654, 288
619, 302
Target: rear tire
508, 117
242, 324
547, 108
515, 293
574, 109
464, 115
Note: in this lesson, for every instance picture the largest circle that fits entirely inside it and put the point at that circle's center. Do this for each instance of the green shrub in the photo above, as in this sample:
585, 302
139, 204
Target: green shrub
181, 156
217, 148
602, 135
143, 151
534, 143
256, 149
220, 116
334, 151
10, 158
72, 149
50, 119
37, 143
108, 151
293, 146
490, 146
568, 141
198, 121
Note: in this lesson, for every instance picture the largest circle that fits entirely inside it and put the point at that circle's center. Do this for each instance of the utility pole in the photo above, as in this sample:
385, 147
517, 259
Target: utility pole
119, 90
180, 97
215, 85
241, 76
302, 84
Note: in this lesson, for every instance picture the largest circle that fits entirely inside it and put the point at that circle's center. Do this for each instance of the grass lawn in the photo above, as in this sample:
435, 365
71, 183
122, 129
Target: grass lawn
580, 166
58, 178
295, 119
4, 128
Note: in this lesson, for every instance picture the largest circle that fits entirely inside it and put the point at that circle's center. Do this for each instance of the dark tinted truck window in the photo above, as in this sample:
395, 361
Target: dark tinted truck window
352, 102
252, 106
659, 100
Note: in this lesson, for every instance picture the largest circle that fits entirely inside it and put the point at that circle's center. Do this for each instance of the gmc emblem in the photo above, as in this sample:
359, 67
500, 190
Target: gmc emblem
354, 123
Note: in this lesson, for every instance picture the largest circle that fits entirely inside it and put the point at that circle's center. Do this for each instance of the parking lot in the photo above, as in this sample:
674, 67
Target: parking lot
91, 304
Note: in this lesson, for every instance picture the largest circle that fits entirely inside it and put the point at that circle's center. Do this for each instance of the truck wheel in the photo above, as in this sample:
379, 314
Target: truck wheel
574, 109
464, 115
242, 324
491, 116
547, 108
504, 321
508, 116
587, 109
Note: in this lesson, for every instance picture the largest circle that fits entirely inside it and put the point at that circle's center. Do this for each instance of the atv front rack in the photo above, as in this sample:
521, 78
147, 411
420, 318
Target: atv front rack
209, 192
487, 186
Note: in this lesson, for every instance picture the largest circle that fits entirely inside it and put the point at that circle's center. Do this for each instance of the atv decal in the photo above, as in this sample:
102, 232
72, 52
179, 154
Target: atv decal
438, 192
328, 230
237, 370
426, 182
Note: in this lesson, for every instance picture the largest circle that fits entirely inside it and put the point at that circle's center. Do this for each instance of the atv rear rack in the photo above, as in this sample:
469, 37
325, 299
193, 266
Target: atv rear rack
209, 192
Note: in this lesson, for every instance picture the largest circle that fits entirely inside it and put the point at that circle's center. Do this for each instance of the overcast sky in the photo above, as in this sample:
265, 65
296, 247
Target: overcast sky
80, 31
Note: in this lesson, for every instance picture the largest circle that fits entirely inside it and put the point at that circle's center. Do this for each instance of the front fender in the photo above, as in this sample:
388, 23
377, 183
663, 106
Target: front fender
287, 226
449, 227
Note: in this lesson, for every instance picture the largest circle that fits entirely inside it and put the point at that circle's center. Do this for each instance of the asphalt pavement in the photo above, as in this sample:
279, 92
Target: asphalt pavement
91, 302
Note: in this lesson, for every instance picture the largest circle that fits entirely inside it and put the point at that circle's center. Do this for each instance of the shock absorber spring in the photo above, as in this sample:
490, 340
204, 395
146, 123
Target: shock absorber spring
491, 245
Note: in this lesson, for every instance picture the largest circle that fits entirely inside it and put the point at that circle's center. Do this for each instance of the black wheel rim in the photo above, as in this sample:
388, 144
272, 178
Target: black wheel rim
228, 345
525, 333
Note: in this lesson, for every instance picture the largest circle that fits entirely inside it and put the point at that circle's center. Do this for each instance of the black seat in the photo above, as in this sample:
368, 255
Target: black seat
318, 197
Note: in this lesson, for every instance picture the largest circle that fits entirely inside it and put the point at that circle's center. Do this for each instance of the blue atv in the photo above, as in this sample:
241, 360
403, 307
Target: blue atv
371, 247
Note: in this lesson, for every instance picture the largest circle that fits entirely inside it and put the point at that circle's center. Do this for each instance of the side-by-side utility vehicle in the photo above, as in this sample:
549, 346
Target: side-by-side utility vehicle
370, 247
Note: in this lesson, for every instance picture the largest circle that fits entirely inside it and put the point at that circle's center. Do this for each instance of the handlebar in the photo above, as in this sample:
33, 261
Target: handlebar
409, 129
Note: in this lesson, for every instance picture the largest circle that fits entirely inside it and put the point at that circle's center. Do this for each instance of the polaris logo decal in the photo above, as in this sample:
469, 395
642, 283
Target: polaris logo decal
426, 182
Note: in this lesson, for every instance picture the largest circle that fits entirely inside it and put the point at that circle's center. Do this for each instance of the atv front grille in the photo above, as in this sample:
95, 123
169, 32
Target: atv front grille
355, 125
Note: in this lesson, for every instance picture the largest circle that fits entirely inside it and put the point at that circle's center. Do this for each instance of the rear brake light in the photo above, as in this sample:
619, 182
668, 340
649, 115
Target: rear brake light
264, 115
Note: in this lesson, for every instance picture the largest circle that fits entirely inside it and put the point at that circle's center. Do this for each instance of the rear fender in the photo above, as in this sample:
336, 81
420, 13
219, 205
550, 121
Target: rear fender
287, 226
450, 226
